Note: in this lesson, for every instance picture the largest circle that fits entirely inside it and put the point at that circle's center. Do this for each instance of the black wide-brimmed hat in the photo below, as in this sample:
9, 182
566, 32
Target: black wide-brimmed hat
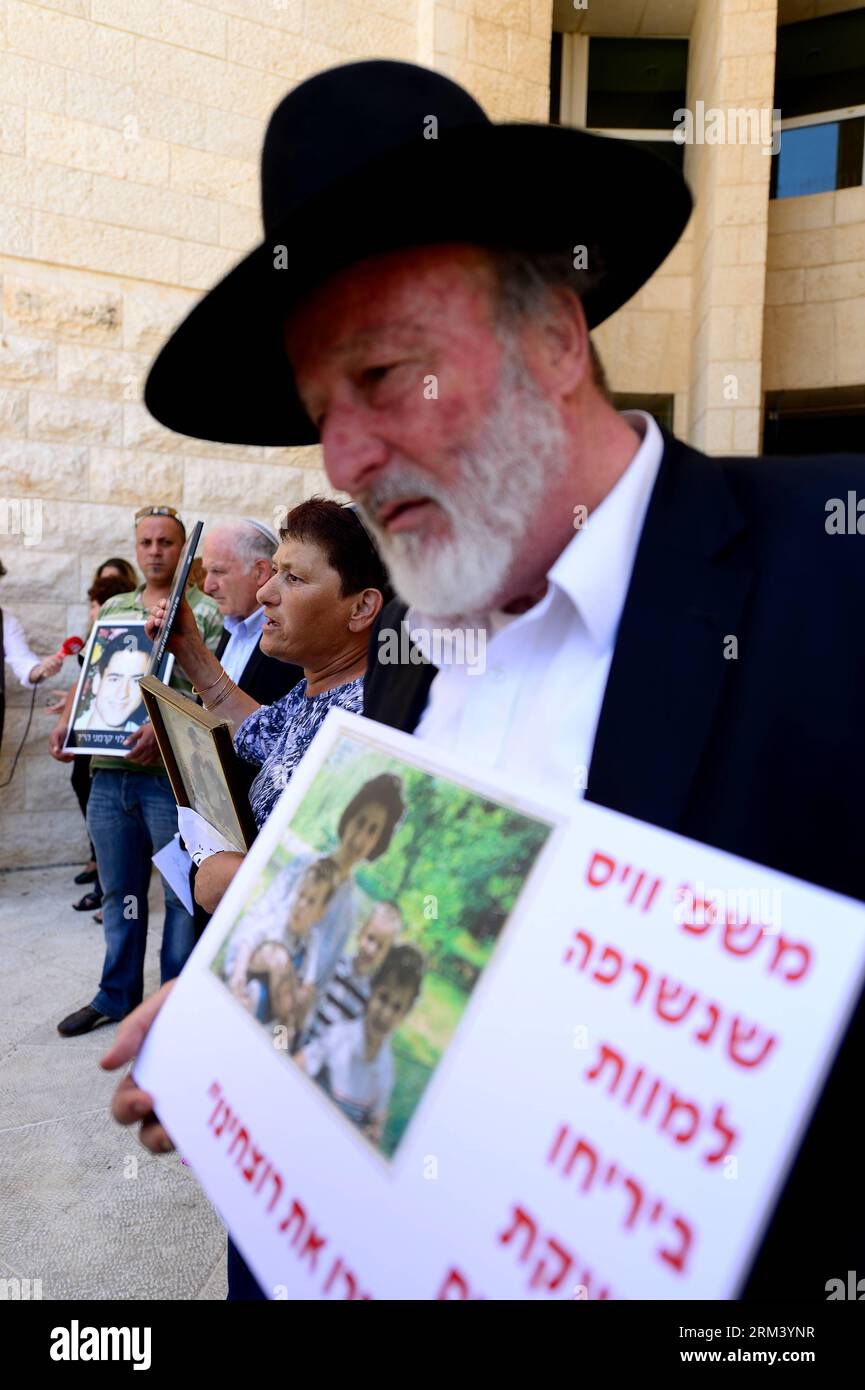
376, 156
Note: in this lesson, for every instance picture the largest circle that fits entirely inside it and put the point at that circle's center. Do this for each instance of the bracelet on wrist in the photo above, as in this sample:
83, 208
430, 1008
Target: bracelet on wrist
225, 694
218, 686
199, 690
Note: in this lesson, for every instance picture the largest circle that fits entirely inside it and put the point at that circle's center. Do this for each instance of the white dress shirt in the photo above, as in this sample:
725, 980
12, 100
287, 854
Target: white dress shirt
18, 654
534, 710
243, 641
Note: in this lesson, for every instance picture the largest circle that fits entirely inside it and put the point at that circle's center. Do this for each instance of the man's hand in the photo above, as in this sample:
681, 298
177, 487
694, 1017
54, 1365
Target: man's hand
130, 1105
143, 744
56, 702
56, 740
213, 877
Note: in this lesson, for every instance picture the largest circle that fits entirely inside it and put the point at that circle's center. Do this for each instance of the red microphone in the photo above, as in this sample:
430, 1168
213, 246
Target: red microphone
71, 647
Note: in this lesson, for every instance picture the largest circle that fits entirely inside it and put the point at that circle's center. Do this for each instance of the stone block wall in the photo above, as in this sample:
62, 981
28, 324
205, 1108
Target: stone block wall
130, 133
815, 292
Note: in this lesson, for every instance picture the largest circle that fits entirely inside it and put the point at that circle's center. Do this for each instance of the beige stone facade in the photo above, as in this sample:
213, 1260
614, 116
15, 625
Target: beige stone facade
759, 295
129, 140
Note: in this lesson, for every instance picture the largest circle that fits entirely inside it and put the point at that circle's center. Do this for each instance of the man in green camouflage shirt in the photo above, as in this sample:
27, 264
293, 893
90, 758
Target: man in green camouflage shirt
131, 813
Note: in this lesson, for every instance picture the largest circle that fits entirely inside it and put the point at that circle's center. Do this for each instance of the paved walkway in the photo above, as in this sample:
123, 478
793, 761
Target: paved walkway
83, 1207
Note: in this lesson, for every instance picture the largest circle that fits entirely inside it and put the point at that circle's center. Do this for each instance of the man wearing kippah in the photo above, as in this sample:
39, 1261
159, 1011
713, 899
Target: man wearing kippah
131, 812
237, 561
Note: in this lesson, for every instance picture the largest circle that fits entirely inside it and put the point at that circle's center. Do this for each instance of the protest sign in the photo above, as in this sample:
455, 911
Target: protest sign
441, 1041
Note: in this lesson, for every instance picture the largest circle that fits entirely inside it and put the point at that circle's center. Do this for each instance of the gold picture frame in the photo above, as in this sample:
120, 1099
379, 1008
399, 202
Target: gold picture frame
202, 766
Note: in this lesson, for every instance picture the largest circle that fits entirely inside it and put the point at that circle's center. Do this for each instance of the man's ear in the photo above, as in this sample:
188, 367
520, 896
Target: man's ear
262, 570
556, 344
365, 608
96, 682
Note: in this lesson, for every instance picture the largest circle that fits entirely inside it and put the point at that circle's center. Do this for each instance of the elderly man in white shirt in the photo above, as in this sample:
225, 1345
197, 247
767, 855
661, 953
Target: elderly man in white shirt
536, 712
237, 560
444, 365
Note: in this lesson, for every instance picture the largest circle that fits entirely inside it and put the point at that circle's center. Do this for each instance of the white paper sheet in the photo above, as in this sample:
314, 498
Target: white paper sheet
173, 863
199, 836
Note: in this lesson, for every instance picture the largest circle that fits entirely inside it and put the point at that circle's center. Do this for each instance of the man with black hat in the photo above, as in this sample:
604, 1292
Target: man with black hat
666, 633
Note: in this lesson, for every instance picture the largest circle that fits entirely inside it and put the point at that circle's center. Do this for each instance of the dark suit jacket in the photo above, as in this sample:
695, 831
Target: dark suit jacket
763, 756
263, 677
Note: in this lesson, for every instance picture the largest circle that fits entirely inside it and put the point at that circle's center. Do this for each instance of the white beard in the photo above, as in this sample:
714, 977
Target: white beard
519, 454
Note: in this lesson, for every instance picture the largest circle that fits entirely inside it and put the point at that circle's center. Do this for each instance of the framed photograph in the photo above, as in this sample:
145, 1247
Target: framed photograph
108, 704
199, 757
178, 588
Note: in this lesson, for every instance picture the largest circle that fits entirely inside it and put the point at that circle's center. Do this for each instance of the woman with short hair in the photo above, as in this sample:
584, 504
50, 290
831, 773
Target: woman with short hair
326, 590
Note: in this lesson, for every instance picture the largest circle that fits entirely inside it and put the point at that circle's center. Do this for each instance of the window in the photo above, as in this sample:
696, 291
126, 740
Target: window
556, 78
635, 83
830, 421
820, 92
820, 65
819, 158
630, 88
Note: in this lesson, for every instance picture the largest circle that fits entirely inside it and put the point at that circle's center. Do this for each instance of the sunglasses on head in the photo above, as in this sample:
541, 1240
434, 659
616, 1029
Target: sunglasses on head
159, 511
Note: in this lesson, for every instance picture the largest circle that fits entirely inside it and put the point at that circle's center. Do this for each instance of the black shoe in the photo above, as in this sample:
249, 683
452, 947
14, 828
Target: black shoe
86, 876
88, 903
82, 1021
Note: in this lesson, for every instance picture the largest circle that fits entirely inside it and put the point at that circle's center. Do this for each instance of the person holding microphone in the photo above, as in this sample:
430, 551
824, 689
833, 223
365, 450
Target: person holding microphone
30, 669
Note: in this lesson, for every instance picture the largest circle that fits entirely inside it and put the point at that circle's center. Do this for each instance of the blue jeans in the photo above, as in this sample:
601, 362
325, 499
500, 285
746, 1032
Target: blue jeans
131, 815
